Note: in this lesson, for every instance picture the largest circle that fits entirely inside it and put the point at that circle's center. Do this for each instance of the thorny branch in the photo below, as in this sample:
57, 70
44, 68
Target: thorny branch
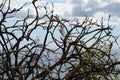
82, 49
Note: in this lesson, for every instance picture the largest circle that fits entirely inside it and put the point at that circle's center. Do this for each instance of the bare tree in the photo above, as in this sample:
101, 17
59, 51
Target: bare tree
68, 49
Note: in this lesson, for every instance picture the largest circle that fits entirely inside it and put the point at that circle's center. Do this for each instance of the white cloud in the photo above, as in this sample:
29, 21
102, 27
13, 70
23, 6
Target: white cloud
18, 3
60, 8
88, 7
76, 8
23, 12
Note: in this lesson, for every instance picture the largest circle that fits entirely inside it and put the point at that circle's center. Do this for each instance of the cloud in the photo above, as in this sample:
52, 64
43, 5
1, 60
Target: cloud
89, 8
112, 9
74, 8
18, 3
60, 8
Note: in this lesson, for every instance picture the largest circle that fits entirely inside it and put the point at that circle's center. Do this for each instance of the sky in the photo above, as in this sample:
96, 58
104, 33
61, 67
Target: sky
78, 8
87, 7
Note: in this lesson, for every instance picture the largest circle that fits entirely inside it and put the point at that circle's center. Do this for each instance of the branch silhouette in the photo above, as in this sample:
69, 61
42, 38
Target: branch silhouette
64, 49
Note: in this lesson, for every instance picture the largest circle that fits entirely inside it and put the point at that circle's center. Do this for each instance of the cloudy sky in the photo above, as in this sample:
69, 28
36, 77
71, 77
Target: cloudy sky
90, 8
87, 7
78, 8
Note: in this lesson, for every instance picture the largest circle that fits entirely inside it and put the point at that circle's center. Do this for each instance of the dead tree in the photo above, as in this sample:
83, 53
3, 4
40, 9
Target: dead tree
63, 49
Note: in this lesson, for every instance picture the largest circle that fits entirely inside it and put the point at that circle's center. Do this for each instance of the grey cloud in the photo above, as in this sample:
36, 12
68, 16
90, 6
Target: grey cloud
75, 1
78, 10
92, 4
113, 9
20, 14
